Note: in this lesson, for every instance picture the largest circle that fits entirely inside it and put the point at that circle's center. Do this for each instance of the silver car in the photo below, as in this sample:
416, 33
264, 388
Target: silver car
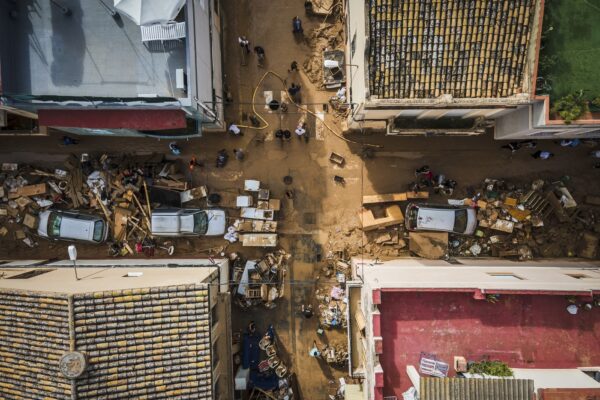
441, 217
188, 222
72, 226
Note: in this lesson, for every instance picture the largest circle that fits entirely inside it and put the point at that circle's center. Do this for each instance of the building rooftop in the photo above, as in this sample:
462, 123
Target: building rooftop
475, 389
87, 53
63, 280
467, 49
142, 337
525, 331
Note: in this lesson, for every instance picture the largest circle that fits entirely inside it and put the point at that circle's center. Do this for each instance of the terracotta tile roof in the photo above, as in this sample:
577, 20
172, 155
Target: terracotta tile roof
465, 48
475, 389
33, 337
139, 343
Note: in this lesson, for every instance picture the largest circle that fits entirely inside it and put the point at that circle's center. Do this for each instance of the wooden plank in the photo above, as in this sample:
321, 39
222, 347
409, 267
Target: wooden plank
259, 239
394, 197
31, 190
384, 198
393, 216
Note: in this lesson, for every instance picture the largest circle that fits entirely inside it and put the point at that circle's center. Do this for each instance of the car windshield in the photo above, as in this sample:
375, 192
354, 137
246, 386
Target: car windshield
54, 221
98, 231
412, 216
200, 223
460, 221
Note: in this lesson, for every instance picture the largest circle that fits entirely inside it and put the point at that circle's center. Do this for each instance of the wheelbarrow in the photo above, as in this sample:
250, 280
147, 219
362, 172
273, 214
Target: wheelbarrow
337, 159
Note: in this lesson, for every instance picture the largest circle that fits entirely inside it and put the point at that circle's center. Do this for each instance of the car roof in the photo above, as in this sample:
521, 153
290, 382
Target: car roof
76, 228
433, 218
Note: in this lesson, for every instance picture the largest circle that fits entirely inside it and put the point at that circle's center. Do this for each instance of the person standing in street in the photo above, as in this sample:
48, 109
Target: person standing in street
300, 131
297, 25
239, 154
543, 155
293, 67
244, 44
233, 129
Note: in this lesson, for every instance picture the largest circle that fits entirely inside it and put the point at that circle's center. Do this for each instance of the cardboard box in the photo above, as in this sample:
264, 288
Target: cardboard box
30, 221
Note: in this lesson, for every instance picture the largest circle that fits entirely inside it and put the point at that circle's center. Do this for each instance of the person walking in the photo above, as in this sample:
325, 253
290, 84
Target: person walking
233, 129
294, 89
314, 351
260, 54
244, 44
287, 135
293, 67
239, 154
512, 146
300, 131
194, 163
297, 25
543, 155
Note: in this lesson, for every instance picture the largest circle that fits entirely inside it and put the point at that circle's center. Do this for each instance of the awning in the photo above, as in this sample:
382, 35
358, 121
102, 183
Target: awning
146, 12
141, 120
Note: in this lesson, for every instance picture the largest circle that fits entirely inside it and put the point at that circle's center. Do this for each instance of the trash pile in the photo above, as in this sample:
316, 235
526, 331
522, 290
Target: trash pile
527, 221
121, 190
336, 354
264, 369
260, 281
332, 307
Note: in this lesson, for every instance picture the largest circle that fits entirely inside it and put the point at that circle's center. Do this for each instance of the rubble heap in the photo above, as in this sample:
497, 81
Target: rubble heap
260, 281
527, 221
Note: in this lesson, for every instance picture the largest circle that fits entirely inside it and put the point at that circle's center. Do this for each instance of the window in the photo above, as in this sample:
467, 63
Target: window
200, 223
578, 276
460, 221
505, 275
54, 221
98, 231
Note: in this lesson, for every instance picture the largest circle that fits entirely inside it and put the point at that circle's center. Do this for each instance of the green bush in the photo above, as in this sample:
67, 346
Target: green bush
571, 107
494, 368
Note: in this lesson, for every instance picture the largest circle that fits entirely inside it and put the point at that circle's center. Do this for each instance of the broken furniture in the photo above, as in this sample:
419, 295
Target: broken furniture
393, 216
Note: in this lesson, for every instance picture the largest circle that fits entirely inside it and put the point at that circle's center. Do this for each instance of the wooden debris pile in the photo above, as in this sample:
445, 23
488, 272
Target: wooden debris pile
256, 282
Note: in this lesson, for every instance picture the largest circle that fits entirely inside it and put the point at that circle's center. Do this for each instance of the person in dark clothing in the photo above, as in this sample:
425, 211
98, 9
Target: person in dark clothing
307, 311
512, 146
293, 67
287, 135
294, 89
260, 53
297, 25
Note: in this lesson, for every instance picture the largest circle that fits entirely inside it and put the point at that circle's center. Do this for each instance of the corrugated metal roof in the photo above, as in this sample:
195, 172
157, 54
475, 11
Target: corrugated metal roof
475, 389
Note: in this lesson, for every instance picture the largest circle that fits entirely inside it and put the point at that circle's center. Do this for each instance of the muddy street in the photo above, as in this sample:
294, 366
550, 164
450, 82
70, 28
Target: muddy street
321, 214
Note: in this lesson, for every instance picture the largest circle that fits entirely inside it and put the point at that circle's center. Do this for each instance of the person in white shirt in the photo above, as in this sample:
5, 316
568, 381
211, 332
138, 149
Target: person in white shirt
301, 132
233, 128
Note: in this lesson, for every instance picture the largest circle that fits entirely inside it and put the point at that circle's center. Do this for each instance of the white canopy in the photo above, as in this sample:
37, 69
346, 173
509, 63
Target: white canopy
146, 12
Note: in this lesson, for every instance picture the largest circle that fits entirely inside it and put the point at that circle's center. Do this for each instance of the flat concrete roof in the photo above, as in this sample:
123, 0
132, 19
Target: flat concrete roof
417, 274
87, 53
62, 279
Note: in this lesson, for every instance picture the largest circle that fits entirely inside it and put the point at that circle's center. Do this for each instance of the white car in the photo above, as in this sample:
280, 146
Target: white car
72, 226
188, 222
441, 217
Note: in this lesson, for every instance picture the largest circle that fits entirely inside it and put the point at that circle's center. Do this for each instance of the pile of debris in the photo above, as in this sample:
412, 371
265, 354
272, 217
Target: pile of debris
526, 221
336, 354
260, 281
123, 190
332, 307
